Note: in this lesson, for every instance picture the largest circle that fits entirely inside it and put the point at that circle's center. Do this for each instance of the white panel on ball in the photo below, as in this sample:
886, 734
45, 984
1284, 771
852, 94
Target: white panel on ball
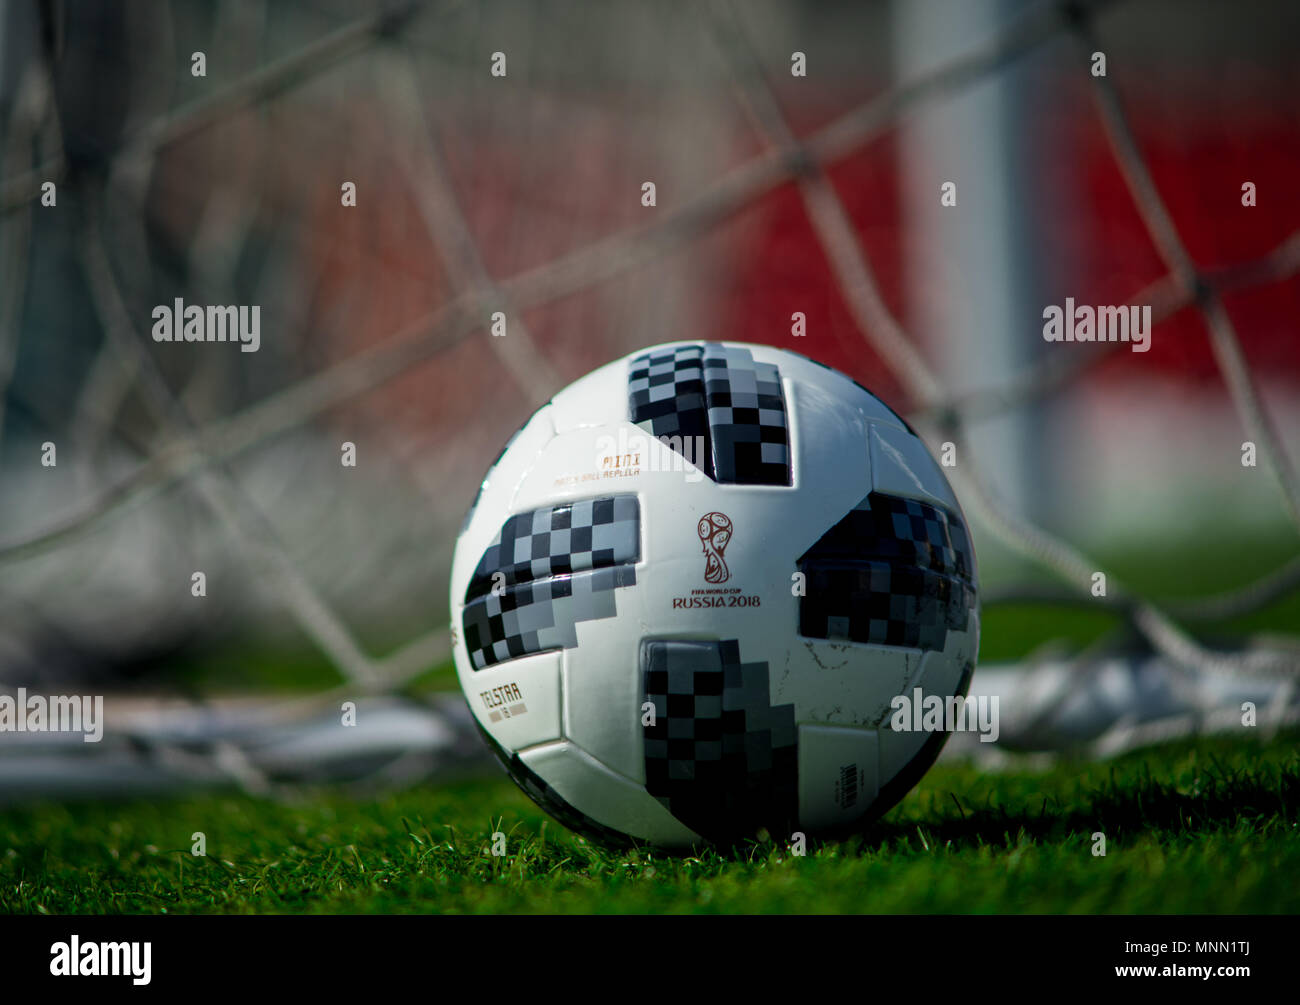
938, 676
602, 699
837, 775
608, 798
844, 683
829, 436
518, 702
593, 399
901, 466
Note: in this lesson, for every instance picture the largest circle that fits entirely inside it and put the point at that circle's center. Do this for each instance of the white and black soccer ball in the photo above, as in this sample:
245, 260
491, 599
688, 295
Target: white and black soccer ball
691, 586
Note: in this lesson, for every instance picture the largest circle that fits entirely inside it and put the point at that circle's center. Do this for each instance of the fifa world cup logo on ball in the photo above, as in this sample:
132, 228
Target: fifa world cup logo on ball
715, 534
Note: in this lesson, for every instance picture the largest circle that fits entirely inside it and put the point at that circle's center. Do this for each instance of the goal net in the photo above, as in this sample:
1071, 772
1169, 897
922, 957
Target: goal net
444, 212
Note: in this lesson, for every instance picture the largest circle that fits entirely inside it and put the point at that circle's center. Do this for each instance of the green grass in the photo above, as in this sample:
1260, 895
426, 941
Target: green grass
1205, 827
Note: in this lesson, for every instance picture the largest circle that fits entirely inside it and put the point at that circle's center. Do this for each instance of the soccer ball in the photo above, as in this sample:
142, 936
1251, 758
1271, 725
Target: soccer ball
691, 587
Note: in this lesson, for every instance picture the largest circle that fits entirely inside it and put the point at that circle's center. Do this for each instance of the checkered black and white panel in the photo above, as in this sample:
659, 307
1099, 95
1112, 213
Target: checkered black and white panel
893, 571
720, 757
751, 444
720, 394
546, 570
555, 540
665, 392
